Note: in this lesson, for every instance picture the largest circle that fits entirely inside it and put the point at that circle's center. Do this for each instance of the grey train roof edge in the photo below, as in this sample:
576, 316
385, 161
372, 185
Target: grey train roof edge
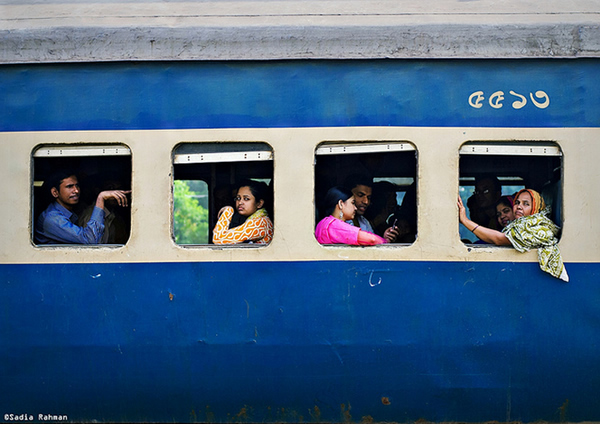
34, 31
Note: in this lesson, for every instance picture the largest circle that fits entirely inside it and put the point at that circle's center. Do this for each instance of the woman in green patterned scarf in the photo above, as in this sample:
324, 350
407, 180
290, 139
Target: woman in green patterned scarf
531, 229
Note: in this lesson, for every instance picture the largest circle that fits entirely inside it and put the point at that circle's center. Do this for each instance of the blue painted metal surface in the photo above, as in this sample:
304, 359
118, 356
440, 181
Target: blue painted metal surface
297, 94
300, 341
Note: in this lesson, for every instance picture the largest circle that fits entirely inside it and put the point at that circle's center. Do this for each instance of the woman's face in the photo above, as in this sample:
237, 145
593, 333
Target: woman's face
523, 205
348, 208
504, 214
245, 203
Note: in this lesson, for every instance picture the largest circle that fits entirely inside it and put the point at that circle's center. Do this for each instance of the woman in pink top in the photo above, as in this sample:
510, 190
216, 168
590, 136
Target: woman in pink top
339, 207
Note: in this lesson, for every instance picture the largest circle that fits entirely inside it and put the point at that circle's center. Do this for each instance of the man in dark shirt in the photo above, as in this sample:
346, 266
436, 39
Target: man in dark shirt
482, 204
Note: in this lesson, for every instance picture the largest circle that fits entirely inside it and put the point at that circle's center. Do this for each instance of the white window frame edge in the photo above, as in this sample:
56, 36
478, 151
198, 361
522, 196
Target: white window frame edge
81, 151
339, 148
218, 157
510, 149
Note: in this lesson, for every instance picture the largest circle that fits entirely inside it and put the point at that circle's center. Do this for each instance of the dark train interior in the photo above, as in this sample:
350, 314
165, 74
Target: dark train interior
536, 166
392, 168
97, 168
218, 167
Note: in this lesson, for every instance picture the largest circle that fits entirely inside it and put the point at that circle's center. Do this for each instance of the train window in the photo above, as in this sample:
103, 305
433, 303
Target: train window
489, 171
206, 179
389, 169
97, 168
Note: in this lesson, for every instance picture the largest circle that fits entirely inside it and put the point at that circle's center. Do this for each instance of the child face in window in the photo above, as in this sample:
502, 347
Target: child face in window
523, 205
505, 214
245, 202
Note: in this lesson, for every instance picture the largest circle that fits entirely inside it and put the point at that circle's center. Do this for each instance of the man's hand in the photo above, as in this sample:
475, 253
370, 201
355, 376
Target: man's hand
391, 234
120, 197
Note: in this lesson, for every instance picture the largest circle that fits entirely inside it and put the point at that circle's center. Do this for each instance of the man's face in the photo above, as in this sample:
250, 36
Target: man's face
362, 198
68, 192
486, 193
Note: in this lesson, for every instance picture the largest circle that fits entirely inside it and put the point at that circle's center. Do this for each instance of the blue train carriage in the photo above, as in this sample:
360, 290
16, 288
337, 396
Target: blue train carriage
177, 101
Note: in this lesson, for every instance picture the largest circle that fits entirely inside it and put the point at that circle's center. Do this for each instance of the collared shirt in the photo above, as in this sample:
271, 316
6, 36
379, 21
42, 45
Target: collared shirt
363, 223
109, 217
57, 225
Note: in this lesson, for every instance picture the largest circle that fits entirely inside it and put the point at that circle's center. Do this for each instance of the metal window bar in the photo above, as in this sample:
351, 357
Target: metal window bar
79, 151
338, 148
510, 149
217, 157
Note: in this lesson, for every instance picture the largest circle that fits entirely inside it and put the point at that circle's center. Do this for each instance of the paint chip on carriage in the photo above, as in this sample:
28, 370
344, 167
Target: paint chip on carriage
371, 283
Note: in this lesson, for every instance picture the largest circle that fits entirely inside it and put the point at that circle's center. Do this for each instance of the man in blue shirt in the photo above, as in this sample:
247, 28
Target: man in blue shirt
57, 224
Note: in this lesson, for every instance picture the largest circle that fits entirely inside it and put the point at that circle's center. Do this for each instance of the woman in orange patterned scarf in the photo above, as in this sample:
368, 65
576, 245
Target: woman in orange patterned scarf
249, 206
531, 229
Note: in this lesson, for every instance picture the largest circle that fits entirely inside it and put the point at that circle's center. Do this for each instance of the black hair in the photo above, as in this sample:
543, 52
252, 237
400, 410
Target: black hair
505, 200
332, 197
44, 197
354, 180
492, 178
381, 191
259, 190
54, 180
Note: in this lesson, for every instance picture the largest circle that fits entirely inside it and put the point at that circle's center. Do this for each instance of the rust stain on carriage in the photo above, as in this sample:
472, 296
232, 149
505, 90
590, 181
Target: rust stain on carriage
171, 296
315, 414
347, 417
563, 411
210, 416
385, 400
243, 413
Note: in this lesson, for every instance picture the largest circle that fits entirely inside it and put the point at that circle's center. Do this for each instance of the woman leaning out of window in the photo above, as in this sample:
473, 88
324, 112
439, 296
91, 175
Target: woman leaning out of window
531, 229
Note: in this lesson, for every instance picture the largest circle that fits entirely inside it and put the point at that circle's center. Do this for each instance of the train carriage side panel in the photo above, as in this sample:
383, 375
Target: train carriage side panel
295, 331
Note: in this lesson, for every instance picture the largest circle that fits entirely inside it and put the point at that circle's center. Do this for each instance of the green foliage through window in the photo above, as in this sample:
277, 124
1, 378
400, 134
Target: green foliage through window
190, 211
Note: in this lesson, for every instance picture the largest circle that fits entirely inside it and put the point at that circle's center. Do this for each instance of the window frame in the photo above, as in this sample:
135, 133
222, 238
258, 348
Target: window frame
210, 155
382, 149
71, 154
532, 150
